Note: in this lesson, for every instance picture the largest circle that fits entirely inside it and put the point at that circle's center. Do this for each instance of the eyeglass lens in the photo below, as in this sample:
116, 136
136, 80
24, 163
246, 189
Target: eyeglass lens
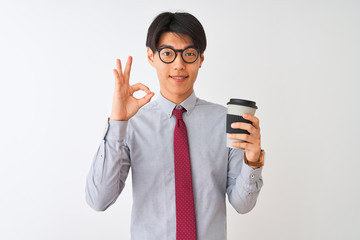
168, 55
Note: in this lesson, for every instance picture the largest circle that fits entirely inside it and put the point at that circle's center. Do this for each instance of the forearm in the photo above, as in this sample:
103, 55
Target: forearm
244, 190
244, 183
110, 167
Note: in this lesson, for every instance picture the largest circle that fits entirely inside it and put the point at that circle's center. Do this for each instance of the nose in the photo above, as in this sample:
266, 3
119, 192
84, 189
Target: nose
178, 63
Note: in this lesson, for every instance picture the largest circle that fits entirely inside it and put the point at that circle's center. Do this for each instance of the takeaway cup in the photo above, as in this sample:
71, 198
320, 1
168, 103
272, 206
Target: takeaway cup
235, 109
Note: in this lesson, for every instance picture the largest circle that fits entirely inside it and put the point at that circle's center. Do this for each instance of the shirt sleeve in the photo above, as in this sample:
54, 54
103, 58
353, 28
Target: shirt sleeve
243, 182
110, 167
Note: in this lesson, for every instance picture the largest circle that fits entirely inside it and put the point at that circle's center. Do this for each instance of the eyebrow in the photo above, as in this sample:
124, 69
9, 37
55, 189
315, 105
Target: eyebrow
169, 46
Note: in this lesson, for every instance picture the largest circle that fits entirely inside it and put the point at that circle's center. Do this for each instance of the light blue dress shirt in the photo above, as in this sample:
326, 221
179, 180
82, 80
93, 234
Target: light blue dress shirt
145, 143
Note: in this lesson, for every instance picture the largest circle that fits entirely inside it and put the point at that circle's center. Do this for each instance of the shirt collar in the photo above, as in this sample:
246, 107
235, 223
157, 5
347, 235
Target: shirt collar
167, 106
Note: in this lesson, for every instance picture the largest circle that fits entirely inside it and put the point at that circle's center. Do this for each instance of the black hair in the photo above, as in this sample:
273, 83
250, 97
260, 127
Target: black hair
180, 23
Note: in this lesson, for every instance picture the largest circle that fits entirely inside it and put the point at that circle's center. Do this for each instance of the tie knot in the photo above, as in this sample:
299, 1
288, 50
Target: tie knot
178, 113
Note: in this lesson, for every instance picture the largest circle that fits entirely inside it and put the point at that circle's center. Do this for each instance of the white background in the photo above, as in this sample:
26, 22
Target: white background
299, 60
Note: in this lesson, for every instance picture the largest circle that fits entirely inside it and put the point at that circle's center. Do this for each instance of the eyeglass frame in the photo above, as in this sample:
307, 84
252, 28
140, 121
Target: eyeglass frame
176, 51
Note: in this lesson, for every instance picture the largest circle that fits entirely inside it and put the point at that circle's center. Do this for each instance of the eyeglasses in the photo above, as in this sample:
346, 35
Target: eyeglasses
168, 54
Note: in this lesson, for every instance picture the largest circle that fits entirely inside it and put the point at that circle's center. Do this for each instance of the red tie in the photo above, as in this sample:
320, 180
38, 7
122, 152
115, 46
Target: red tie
185, 210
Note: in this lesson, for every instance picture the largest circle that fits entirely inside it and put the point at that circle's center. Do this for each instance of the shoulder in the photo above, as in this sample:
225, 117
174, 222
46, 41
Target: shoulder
210, 111
210, 106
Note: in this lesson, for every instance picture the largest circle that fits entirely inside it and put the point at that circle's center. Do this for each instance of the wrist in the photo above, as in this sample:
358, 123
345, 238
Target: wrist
256, 164
117, 118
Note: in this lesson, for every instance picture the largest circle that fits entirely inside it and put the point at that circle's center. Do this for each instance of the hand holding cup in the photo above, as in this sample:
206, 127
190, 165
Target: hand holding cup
243, 128
251, 142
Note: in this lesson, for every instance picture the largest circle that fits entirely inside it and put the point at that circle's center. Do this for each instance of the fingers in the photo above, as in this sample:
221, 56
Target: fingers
139, 86
253, 119
119, 70
127, 69
121, 77
244, 137
118, 66
252, 144
252, 140
118, 75
144, 100
248, 146
246, 126
245, 145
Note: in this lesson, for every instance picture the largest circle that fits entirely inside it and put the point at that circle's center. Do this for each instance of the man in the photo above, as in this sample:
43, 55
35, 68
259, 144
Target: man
175, 145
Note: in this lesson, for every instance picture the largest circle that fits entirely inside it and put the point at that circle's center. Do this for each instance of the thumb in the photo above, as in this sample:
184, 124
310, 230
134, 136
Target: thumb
144, 100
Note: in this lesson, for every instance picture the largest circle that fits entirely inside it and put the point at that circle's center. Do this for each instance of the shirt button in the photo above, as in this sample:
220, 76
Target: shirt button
101, 156
252, 175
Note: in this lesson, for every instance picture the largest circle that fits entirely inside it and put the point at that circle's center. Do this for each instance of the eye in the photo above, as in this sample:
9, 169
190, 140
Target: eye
190, 54
167, 53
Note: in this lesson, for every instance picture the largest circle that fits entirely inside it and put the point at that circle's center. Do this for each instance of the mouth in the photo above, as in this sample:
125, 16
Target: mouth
179, 78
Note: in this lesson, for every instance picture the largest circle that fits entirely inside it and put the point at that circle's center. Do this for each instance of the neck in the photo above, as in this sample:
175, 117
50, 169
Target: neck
177, 99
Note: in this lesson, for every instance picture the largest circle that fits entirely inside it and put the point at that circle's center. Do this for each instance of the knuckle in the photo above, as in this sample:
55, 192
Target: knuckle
252, 129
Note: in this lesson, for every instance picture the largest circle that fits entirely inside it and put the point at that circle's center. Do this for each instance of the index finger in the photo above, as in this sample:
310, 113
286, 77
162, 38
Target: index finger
253, 119
139, 86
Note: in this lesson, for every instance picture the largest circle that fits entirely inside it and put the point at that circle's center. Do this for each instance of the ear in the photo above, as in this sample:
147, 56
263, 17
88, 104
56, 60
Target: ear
150, 56
201, 59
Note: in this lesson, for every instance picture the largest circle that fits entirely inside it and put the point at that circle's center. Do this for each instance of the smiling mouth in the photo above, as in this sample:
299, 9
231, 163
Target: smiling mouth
179, 78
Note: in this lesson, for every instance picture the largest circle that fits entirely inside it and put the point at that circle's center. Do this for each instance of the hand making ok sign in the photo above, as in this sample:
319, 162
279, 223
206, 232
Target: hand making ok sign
125, 105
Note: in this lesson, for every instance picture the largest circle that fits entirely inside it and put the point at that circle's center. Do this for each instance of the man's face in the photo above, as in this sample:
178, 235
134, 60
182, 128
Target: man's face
177, 78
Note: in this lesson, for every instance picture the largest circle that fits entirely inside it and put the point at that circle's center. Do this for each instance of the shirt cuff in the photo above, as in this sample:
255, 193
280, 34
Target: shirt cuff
249, 174
115, 130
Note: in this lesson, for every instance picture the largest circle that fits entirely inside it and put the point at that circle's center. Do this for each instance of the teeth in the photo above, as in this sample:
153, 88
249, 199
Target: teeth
178, 77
